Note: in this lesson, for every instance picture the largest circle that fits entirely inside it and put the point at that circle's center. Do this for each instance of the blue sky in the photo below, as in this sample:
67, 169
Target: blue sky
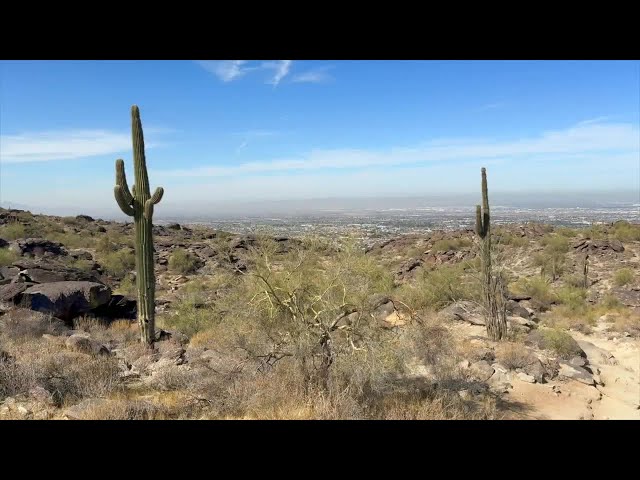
231, 131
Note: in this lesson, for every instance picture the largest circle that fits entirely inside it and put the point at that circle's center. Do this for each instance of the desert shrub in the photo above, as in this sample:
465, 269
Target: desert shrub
555, 243
72, 377
118, 263
512, 240
127, 286
573, 311
538, 288
14, 231
182, 261
7, 257
71, 240
71, 221
566, 232
112, 241
573, 298
81, 264
123, 409
622, 277
514, 355
23, 324
68, 376
610, 301
628, 322
626, 232
439, 287
448, 244
559, 342
551, 260
576, 281
596, 232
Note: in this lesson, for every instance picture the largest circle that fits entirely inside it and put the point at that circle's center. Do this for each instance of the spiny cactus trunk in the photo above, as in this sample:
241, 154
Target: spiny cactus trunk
585, 271
139, 205
493, 294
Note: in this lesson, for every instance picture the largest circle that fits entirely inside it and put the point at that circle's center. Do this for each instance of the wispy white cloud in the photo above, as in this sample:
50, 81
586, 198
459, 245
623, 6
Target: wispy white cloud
67, 145
571, 144
316, 75
595, 120
281, 69
225, 70
229, 70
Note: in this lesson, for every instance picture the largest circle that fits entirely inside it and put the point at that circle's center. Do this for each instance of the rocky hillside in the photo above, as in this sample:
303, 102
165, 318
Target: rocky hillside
246, 318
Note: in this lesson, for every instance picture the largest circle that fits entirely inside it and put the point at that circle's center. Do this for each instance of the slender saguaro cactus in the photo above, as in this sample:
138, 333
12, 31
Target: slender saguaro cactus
585, 271
492, 286
139, 204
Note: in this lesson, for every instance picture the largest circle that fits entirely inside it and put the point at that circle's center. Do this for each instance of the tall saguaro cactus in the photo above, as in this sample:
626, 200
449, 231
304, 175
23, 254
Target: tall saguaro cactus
138, 203
492, 286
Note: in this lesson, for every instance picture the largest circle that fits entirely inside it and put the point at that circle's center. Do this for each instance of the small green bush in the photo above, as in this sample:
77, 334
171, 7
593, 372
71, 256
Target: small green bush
13, 231
438, 288
566, 232
448, 244
118, 263
560, 342
626, 232
513, 240
7, 257
182, 261
537, 287
622, 277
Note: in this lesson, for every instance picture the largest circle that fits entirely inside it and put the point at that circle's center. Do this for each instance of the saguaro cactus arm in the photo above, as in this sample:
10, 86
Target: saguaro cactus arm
121, 179
482, 213
479, 230
119, 192
157, 195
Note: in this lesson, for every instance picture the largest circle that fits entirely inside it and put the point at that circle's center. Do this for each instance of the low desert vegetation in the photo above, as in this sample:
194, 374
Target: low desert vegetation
552, 259
182, 261
435, 289
118, 263
7, 257
623, 277
512, 240
13, 231
451, 244
566, 232
557, 341
538, 288
626, 232
514, 355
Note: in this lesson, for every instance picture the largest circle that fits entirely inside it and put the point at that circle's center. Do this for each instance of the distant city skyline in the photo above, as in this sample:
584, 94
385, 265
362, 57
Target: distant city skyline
233, 133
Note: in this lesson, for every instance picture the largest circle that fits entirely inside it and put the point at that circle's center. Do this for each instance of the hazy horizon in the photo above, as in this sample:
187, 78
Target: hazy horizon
253, 136
316, 206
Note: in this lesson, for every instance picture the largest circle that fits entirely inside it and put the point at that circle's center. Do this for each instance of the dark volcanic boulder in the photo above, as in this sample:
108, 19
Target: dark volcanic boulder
86, 218
66, 300
49, 270
117, 307
408, 267
598, 246
13, 292
3, 243
38, 247
7, 274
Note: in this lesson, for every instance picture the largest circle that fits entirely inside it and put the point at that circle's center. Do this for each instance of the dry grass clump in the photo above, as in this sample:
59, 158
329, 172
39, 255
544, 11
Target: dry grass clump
514, 355
67, 376
22, 325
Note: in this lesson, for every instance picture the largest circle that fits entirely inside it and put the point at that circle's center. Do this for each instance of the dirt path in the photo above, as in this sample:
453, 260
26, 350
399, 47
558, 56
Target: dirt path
615, 362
